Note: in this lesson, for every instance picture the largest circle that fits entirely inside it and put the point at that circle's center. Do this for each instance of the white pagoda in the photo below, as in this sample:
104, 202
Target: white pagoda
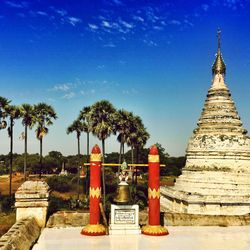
216, 177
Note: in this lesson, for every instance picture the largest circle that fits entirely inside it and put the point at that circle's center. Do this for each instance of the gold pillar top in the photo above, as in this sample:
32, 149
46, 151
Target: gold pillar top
219, 67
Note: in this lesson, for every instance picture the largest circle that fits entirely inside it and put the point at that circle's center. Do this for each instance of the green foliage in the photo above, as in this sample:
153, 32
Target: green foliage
6, 203
57, 204
174, 166
59, 183
112, 157
140, 194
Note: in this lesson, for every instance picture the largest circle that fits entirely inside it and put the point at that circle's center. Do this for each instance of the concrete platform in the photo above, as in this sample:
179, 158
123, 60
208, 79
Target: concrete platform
195, 238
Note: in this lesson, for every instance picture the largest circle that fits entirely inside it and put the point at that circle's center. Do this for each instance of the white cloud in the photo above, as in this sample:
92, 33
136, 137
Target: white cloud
126, 24
176, 22
157, 27
109, 45
118, 2
150, 43
69, 95
61, 12
20, 5
42, 13
188, 22
138, 18
93, 26
101, 66
129, 91
106, 24
62, 87
205, 7
74, 20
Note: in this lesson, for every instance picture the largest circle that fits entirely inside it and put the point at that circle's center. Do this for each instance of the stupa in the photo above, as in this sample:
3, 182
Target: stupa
216, 177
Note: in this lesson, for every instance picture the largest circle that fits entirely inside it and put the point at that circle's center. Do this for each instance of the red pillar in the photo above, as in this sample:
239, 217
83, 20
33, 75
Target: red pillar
94, 228
154, 228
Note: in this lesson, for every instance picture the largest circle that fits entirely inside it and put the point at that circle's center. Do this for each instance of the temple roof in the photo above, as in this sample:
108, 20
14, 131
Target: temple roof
219, 67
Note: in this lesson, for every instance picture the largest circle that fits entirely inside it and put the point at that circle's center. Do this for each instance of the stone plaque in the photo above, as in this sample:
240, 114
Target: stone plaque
124, 216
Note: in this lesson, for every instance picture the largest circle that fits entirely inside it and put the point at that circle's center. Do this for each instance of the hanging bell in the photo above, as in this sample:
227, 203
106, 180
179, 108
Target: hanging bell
122, 193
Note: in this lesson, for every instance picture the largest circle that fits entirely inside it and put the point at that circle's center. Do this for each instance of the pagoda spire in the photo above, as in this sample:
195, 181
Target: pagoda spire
219, 67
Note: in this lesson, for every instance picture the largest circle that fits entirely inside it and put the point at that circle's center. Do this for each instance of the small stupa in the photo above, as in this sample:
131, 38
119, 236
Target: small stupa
216, 177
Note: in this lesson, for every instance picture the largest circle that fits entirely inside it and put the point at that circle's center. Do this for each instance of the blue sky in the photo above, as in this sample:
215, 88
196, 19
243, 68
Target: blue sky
150, 57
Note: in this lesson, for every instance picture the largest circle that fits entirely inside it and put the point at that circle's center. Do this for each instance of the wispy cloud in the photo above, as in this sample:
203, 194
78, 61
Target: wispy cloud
126, 24
62, 87
109, 45
175, 22
150, 43
69, 95
138, 18
102, 66
130, 92
205, 7
42, 13
61, 12
118, 2
93, 27
19, 5
74, 20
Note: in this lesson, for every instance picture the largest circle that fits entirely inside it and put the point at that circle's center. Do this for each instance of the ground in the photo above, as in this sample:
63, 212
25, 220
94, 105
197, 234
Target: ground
179, 238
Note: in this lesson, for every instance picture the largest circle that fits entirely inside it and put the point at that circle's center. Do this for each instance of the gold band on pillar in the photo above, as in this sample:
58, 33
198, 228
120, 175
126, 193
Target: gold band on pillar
95, 157
95, 192
153, 193
153, 158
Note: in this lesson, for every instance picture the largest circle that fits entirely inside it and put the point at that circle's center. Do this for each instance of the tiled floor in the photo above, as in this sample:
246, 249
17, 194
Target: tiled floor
180, 238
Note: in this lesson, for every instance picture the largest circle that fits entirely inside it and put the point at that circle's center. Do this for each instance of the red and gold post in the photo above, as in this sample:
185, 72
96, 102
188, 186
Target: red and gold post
94, 228
154, 228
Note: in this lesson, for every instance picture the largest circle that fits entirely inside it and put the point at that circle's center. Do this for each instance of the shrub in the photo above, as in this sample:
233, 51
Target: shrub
6, 203
57, 204
59, 183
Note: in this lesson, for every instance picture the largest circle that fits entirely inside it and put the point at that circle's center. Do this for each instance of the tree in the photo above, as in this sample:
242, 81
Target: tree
138, 135
102, 122
77, 127
123, 123
85, 118
44, 116
28, 120
4, 102
137, 138
13, 112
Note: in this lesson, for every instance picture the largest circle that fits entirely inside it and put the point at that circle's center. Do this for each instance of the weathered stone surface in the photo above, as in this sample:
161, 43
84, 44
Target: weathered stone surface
21, 236
216, 177
79, 219
32, 200
68, 219
182, 219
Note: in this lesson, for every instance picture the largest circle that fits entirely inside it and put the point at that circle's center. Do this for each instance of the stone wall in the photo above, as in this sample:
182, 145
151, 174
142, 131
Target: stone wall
32, 200
22, 235
68, 219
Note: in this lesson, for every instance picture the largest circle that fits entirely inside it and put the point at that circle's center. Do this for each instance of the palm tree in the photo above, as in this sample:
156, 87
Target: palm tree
85, 118
137, 139
13, 112
28, 120
77, 127
102, 123
4, 102
123, 127
44, 116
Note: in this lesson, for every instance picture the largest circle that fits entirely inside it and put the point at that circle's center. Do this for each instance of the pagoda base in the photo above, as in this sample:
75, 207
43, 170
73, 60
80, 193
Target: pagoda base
182, 202
208, 193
